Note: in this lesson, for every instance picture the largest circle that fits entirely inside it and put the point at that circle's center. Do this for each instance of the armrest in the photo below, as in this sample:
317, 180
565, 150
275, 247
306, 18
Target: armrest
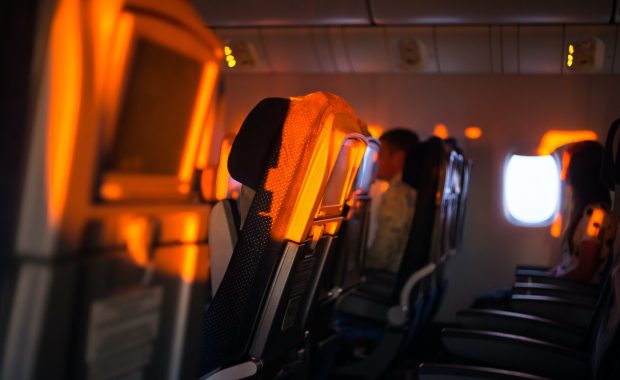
540, 268
572, 312
466, 372
516, 353
522, 324
544, 278
364, 305
554, 290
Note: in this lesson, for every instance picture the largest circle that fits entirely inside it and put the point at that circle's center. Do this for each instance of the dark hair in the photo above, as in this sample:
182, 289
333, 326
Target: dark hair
583, 170
583, 175
399, 139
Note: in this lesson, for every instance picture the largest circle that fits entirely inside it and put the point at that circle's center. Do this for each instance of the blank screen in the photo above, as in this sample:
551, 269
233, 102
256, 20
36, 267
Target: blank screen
341, 172
156, 112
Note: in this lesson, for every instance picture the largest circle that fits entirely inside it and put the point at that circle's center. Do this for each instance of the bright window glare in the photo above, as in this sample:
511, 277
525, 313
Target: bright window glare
531, 189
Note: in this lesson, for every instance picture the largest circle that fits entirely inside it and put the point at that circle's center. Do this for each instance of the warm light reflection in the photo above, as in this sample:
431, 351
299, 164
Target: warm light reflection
189, 265
375, 130
203, 101
225, 185
111, 191
313, 182
441, 131
473, 133
136, 232
191, 222
103, 18
65, 62
556, 226
204, 150
595, 223
554, 139
566, 156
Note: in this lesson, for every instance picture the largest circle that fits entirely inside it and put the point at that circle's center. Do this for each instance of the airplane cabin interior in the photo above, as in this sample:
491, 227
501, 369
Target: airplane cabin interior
353, 189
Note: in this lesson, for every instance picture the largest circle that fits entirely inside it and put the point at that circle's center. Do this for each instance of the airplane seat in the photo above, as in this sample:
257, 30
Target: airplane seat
110, 254
300, 157
591, 354
224, 226
398, 315
342, 270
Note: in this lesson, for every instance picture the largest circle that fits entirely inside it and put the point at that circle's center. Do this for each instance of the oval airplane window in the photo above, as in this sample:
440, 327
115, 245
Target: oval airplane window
531, 189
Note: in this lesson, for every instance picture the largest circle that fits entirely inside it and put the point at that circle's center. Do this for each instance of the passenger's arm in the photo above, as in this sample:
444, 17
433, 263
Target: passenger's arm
588, 257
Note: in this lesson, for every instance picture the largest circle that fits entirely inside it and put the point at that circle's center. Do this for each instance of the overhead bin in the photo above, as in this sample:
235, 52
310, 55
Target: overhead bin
286, 48
390, 12
540, 49
239, 13
464, 49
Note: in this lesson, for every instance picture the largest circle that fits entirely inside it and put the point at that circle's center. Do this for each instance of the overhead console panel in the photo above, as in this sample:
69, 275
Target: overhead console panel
465, 49
236, 13
435, 12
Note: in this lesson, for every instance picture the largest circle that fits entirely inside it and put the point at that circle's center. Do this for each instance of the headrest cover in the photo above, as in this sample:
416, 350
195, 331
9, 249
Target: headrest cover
610, 168
254, 143
415, 161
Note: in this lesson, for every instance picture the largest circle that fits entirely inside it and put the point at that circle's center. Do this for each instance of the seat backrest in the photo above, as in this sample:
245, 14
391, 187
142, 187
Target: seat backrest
110, 256
605, 325
462, 208
300, 155
350, 247
425, 170
450, 202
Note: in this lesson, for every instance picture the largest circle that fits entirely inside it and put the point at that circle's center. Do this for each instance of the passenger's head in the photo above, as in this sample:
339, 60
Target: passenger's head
395, 144
582, 174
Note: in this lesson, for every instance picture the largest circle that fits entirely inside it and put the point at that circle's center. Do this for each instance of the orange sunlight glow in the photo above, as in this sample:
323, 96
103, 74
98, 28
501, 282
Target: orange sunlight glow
554, 139
473, 132
441, 131
135, 231
103, 17
111, 191
595, 223
223, 177
190, 258
203, 101
312, 184
375, 130
205, 142
65, 58
556, 226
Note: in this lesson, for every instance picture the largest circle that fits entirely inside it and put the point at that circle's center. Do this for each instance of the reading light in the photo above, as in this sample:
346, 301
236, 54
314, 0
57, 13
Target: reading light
531, 189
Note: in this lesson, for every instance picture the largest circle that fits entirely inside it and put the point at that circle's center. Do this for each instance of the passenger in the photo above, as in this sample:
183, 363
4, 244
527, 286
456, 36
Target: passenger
591, 229
590, 232
397, 205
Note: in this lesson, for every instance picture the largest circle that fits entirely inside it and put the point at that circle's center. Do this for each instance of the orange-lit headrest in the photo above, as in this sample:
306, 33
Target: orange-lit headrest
255, 141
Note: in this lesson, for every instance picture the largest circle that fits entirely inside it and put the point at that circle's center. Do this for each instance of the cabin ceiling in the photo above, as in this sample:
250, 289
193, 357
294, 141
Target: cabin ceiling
240, 13
415, 36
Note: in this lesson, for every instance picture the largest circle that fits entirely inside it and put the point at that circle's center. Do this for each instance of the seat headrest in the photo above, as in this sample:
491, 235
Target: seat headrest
610, 167
254, 143
419, 155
